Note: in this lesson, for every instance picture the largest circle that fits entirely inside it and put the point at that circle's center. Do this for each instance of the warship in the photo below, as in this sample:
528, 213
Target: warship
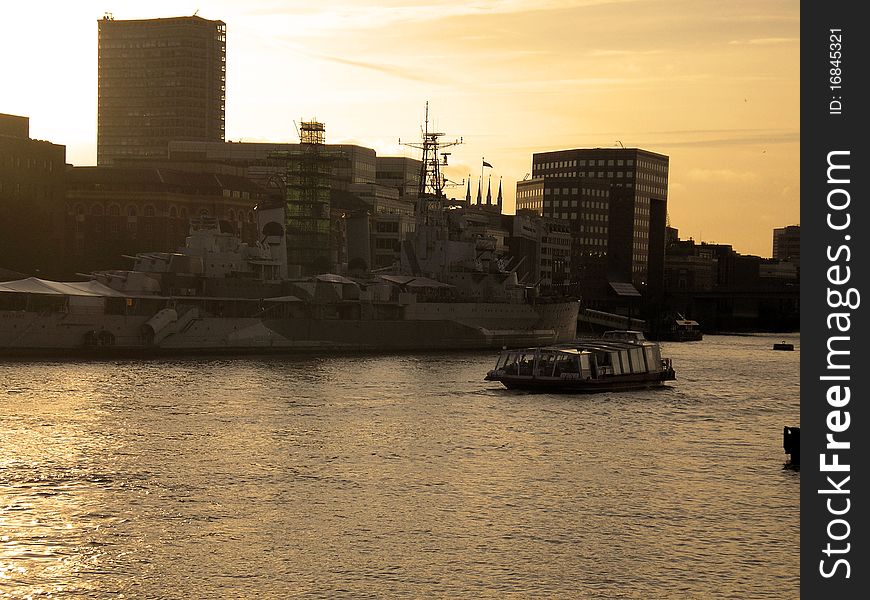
218, 294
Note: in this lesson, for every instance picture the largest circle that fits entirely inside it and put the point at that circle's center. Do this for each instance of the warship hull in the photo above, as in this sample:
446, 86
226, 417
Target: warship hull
418, 327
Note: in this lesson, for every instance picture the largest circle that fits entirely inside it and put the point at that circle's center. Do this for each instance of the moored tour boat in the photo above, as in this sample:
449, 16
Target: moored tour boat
618, 361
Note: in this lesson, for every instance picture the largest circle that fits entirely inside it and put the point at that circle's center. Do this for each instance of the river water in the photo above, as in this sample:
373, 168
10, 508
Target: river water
397, 476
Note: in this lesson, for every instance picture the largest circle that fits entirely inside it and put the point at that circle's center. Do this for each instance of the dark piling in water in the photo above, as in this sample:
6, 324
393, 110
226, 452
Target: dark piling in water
791, 443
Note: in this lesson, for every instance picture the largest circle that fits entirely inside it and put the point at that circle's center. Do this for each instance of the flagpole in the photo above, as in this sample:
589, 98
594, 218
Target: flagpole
481, 170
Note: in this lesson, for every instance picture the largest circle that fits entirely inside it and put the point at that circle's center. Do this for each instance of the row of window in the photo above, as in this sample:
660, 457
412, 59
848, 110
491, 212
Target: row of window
144, 43
192, 86
649, 189
136, 62
556, 241
654, 178
574, 216
560, 164
590, 204
29, 190
574, 191
653, 165
593, 229
131, 210
16, 162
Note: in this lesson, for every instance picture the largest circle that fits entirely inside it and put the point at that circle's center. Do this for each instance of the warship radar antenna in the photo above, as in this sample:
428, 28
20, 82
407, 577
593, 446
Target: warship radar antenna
430, 192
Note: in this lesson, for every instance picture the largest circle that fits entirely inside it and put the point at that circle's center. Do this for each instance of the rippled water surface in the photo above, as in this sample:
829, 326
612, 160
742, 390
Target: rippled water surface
397, 476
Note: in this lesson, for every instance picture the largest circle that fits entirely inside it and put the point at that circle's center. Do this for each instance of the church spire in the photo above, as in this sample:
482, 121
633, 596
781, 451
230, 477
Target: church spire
489, 192
499, 199
468, 192
478, 191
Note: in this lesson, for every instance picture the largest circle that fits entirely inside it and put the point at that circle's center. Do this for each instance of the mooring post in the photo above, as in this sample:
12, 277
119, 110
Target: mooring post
791, 443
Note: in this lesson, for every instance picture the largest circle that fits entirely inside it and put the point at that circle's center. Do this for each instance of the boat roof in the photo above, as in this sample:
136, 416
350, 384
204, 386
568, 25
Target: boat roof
590, 345
34, 285
412, 281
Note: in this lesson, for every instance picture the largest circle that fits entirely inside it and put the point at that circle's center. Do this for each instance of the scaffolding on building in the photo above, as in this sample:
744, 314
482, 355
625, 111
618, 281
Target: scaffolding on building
308, 222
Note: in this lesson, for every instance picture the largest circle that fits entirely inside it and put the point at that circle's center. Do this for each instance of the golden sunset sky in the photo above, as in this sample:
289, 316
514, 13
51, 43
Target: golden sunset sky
714, 85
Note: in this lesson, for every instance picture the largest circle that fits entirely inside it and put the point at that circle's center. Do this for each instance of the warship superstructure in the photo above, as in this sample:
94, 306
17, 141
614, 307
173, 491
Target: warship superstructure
218, 294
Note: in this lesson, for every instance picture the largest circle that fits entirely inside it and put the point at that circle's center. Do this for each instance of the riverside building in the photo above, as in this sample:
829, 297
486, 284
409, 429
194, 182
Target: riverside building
636, 204
159, 80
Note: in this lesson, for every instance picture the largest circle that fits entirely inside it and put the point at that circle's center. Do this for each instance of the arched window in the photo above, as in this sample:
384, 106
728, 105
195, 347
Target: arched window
80, 209
97, 210
114, 210
149, 210
232, 215
183, 212
173, 212
132, 211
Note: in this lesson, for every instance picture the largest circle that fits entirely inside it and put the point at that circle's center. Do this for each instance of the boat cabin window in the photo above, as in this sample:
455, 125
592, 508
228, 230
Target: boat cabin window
505, 359
566, 363
637, 362
525, 363
653, 359
619, 360
585, 366
545, 365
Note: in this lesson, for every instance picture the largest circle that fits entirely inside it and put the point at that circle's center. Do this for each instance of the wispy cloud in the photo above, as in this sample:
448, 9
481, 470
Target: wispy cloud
620, 53
760, 139
385, 68
722, 176
355, 15
764, 41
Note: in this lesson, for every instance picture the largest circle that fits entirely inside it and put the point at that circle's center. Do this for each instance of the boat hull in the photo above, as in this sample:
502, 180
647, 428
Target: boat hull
617, 383
434, 326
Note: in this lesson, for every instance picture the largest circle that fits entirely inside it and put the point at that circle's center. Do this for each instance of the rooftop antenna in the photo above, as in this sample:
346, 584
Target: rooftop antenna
196, 12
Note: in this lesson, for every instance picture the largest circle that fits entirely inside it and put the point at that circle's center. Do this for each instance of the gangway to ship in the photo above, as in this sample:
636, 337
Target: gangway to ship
598, 319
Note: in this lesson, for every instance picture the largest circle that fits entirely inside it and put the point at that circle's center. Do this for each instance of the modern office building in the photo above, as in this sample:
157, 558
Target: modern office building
637, 212
159, 80
787, 243
264, 161
401, 173
540, 248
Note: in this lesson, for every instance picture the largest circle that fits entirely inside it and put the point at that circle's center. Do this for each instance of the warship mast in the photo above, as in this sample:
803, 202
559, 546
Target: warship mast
430, 191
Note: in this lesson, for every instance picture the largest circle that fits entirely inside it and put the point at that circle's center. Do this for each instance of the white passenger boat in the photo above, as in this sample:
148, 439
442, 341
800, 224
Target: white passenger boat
619, 360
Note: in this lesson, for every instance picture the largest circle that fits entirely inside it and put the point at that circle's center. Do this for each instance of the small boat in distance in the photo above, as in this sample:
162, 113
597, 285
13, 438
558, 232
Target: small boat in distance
618, 361
677, 328
783, 345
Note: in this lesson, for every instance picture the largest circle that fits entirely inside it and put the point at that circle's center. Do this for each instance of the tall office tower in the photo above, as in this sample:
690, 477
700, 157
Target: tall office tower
159, 80
787, 243
637, 209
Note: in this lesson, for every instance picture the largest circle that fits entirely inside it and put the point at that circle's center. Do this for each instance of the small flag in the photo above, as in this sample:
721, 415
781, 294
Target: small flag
486, 164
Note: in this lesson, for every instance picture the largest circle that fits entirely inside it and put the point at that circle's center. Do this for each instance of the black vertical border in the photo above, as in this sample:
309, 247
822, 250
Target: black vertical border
823, 132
